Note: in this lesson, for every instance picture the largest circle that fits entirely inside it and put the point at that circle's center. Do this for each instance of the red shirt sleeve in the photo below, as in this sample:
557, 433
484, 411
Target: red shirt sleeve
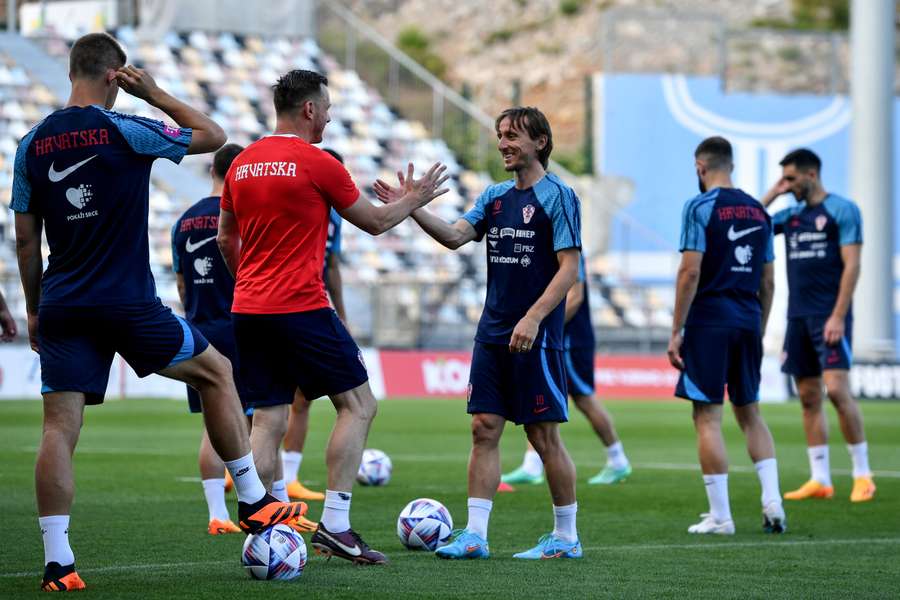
335, 183
225, 202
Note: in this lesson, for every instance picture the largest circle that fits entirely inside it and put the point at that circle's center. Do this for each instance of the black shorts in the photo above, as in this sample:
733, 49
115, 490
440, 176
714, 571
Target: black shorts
77, 344
805, 352
716, 357
309, 350
580, 370
220, 336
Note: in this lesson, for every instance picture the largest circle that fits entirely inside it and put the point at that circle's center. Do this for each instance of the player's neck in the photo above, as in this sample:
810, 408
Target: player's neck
526, 178
720, 181
217, 188
87, 93
286, 127
817, 196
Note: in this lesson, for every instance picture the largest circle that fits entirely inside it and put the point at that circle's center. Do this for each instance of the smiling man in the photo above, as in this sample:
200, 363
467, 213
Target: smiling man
533, 226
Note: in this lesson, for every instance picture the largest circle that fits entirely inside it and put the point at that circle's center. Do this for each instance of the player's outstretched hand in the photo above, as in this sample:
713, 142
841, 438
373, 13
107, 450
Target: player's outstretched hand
674, 351
137, 82
8, 326
425, 189
523, 335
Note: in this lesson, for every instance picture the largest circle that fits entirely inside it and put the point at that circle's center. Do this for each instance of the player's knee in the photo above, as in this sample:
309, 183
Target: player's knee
485, 430
543, 438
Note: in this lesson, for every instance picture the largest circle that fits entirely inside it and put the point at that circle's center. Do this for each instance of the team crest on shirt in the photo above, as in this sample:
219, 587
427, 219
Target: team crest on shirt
821, 222
527, 213
171, 131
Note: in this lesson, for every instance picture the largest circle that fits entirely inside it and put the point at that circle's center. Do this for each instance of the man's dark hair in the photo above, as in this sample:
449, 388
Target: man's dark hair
296, 87
223, 158
335, 154
532, 121
716, 153
95, 53
803, 159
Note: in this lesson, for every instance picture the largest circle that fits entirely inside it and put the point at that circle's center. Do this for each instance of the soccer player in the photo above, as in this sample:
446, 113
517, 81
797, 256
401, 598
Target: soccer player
298, 422
823, 237
722, 300
272, 229
83, 174
579, 359
533, 227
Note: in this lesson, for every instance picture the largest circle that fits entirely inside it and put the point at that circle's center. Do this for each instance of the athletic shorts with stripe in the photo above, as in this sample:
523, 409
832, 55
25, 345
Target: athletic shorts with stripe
580, 371
719, 357
78, 344
522, 388
805, 352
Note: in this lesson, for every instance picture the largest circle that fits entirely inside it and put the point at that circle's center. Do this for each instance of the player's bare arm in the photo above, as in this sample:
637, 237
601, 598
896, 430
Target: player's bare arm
526, 329
412, 194
685, 290
28, 252
335, 287
179, 283
207, 135
229, 240
766, 293
782, 186
7, 323
834, 326
574, 299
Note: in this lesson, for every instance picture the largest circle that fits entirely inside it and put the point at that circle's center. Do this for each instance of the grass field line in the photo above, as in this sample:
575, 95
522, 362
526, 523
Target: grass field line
608, 548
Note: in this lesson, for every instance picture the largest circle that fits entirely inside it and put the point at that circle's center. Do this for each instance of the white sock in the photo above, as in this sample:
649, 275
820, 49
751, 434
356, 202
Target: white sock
767, 471
717, 493
55, 530
336, 513
564, 522
246, 480
291, 461
615, 456
532, 463
859, 454
279, 490
479, 513
818, 464
214, 490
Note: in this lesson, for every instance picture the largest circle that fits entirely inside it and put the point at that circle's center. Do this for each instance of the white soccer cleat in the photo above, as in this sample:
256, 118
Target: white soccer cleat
710, 525
774, 520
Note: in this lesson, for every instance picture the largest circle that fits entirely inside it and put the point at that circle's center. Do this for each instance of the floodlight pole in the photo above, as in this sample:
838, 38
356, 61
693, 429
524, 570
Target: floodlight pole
871, 164
11, 16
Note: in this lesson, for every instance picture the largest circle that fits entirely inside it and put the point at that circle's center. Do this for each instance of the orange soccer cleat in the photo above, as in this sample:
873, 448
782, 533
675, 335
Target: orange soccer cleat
505, 487
298, 491
863, 489
269, 511
303, 525
61, 579
217, 527
810, 489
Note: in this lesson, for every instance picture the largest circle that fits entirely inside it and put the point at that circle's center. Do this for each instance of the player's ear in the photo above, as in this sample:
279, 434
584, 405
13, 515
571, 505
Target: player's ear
110, 76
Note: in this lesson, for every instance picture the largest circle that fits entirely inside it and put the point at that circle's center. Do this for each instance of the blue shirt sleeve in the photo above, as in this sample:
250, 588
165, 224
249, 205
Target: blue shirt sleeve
336, 239
848, 218
151, 137
779, 219
21, 190
176, 259
694, 219
564, 210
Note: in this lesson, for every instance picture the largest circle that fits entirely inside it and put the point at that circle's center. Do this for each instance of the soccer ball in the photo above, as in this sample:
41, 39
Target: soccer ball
375, 468
277, 552
424, 524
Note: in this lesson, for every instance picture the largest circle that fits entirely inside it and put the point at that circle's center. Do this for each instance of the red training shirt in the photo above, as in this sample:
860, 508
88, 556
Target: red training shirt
280, 190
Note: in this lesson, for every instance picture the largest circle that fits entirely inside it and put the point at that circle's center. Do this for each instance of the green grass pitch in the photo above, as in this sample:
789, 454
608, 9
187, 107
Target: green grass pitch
138, 524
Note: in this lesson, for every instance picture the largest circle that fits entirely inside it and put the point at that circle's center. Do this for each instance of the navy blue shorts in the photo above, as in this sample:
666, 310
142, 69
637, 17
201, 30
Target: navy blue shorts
805, 352
221, 337
580, 371
77, 344
522, 388
718, 356
309, 350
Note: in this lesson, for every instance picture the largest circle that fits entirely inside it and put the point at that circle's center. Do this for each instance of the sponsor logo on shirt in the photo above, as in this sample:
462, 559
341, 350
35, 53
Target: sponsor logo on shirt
527, 213
493, 232
493, 245
171, 131
79, 198
203, 266
507, 232
57, 176
192, 247
520, 248
526, 260
504, 260
497, 207
736, 235
743, 254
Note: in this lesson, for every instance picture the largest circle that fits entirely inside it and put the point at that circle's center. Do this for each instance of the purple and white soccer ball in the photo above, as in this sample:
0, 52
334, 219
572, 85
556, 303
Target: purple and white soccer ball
424, 524
277, 552
375, 468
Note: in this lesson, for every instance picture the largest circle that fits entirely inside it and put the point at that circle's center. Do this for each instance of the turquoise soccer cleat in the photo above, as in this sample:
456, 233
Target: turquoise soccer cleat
521, 476
465, 544
550, 546
608, 475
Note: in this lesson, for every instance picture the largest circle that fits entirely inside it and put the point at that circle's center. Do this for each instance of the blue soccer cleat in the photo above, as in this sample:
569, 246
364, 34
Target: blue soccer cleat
465, 544
550, 546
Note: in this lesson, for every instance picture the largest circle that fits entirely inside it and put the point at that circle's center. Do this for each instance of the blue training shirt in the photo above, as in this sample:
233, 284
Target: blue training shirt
525, 229
579, 333
85, 172
333, 241
734, 233
813, 236
208, 285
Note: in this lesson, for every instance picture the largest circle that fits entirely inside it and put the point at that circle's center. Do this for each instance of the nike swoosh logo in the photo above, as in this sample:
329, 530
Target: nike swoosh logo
736, 235
538, 411
57, 176
351, 550
192, 247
